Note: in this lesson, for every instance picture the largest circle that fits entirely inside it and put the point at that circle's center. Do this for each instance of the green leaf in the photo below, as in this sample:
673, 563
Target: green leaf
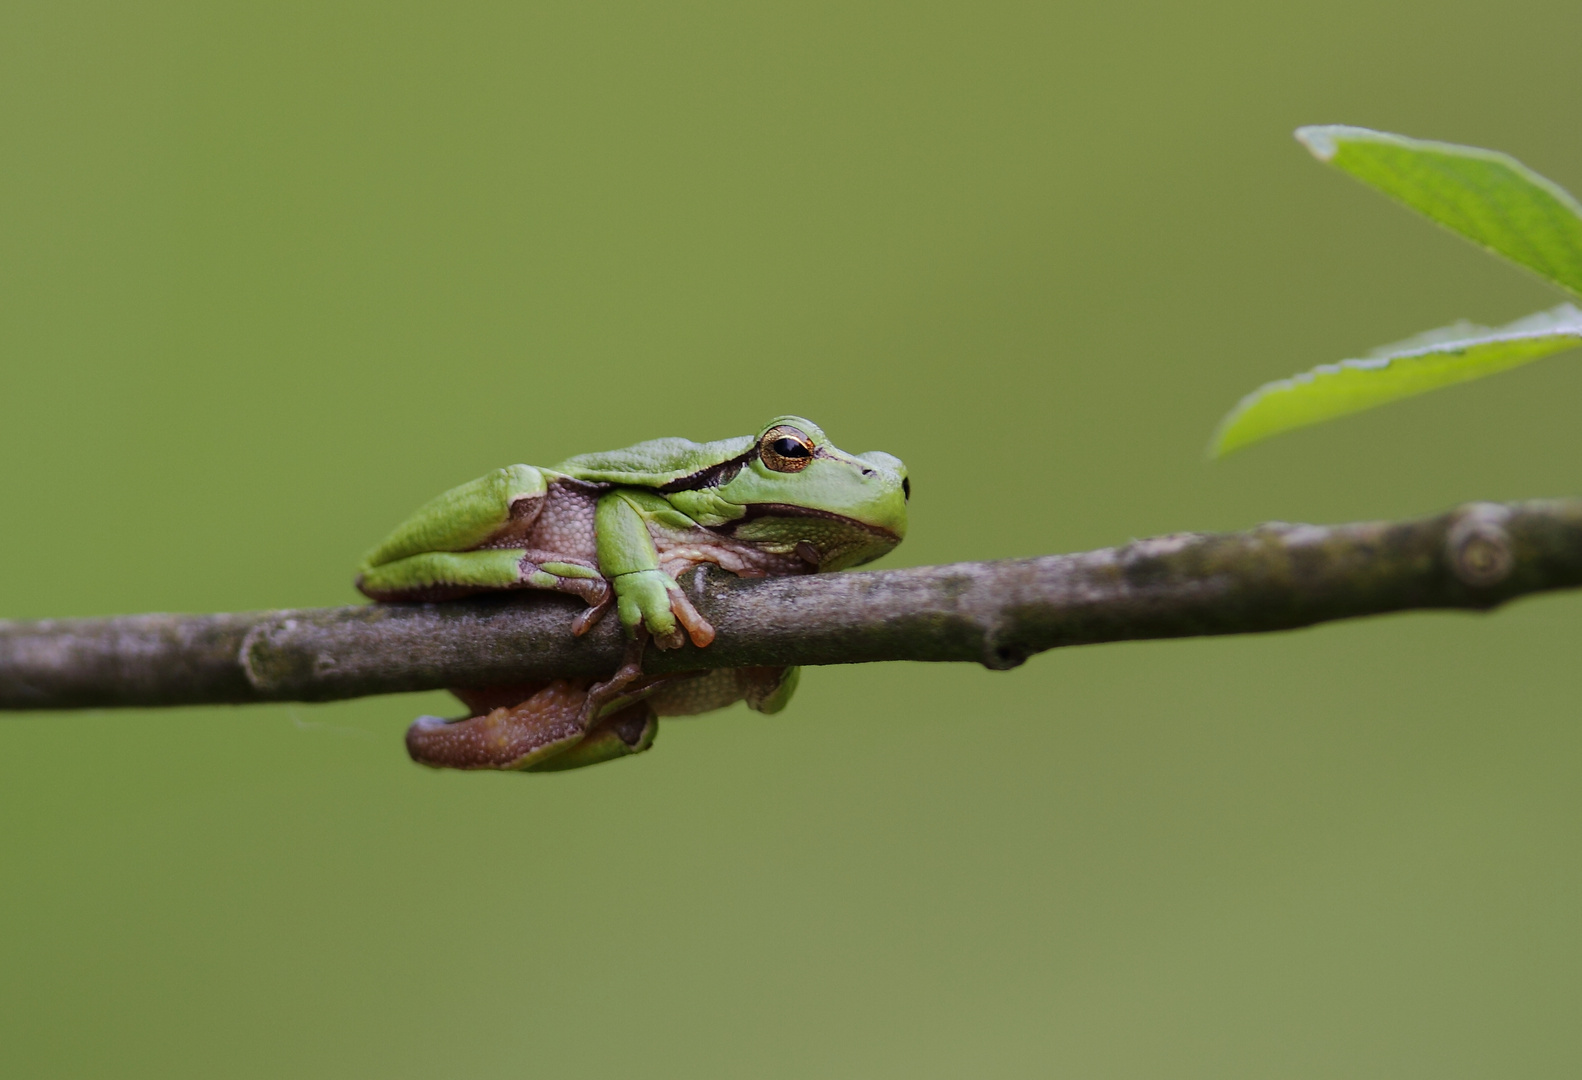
1450, 354
1488, 197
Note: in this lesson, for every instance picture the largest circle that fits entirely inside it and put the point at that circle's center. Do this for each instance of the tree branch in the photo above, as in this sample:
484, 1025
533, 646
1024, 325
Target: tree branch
1274, 577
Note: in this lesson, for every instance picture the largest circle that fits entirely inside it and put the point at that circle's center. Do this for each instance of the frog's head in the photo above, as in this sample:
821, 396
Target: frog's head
801, 494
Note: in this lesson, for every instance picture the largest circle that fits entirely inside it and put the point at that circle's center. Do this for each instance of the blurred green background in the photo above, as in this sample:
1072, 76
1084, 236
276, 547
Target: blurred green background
275, 273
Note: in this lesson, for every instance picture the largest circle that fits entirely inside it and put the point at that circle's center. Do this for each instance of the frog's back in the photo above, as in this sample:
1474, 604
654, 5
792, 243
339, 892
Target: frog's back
654, 463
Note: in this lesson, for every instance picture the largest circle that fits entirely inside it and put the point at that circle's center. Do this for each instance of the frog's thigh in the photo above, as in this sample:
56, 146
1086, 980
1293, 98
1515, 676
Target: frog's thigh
629, 731
515, 737
436, 575
469, 515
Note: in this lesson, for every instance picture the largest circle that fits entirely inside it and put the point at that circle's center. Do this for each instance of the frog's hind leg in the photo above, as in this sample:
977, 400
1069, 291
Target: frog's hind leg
546, 723
445, 575
540, 727
629, 731
479, 538
537, 724
480, 513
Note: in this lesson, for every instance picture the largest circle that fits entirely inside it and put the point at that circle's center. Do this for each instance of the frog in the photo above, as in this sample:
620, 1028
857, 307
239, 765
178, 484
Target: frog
618, 530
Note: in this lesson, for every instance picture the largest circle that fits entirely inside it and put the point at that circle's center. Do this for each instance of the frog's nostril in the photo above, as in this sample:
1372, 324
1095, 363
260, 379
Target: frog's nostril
867, 472
906, 489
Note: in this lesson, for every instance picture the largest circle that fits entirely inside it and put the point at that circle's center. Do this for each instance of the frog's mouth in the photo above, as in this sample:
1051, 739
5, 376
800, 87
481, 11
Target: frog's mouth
824, 540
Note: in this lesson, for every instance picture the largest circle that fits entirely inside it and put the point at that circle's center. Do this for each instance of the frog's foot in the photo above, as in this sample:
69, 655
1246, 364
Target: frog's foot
589, 617
651, 600
626, 685
517, 736
699, 629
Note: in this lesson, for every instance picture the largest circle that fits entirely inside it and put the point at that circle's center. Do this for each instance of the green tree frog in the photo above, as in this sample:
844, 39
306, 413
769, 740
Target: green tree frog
619, 528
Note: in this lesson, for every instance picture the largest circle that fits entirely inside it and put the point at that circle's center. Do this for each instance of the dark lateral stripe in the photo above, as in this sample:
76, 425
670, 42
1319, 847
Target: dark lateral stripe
713, 476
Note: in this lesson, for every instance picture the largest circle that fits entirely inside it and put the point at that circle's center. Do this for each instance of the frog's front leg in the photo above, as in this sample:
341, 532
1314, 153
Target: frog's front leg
645, 595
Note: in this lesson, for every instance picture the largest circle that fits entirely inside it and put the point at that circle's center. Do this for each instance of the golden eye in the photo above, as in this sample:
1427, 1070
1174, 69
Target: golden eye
785, 449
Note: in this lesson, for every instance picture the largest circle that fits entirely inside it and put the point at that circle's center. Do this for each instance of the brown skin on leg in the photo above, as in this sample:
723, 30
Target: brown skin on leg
486, 699
533, 727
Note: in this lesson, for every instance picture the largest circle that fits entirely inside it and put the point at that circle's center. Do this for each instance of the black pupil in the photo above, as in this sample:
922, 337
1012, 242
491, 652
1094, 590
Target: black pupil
790, 448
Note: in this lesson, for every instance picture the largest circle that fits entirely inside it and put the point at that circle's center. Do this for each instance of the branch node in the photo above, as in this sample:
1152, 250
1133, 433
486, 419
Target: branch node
1478, 546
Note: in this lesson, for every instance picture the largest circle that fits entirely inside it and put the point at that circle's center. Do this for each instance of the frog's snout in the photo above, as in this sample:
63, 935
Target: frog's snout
889, 490
888, 469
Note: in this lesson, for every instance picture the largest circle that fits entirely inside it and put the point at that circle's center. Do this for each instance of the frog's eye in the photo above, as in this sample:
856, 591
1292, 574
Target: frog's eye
785, 449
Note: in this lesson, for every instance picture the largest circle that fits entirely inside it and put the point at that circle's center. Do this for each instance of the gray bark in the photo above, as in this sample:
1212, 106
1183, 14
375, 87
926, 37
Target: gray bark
1274, 577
